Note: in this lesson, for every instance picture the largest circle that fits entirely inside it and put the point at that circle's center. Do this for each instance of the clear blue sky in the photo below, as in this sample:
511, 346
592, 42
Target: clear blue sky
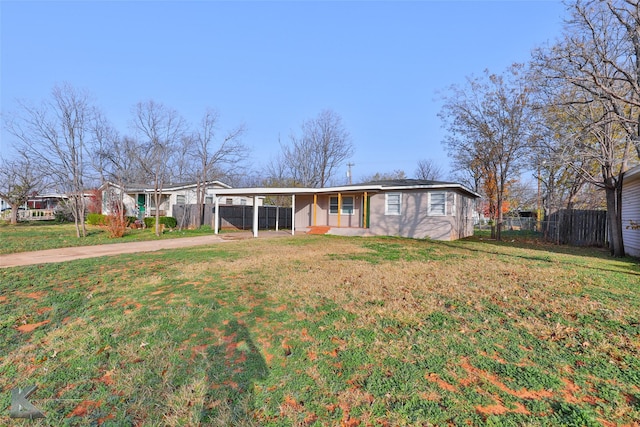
272, 65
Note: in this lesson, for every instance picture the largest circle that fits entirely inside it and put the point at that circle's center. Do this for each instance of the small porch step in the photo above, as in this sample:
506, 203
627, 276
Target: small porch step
318, 229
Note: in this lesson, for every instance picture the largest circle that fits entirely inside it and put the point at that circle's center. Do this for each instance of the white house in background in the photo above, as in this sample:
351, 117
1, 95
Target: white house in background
631, 211
139, 199
4, 205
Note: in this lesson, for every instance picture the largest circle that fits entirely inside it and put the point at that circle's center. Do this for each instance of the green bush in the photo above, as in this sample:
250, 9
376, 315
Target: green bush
168, 221
96, 219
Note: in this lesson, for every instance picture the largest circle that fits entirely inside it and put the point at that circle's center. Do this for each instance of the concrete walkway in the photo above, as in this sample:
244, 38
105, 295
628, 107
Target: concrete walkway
80, 252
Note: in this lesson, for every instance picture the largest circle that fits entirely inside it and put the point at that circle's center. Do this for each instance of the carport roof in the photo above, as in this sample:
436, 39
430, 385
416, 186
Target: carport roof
372, 187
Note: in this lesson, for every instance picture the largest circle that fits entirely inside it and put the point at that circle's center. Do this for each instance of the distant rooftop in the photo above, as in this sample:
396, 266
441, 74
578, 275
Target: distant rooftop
406, 182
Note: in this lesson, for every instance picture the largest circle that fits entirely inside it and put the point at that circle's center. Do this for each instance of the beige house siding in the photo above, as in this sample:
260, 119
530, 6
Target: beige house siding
304, 212
415, 221
631, 212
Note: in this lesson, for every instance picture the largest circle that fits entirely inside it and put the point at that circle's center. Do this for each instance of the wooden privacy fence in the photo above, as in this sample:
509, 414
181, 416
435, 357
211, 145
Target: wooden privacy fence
233, 217
577, 227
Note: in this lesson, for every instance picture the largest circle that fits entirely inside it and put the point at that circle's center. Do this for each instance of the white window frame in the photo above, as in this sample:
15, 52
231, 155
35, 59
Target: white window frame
430, 210
387, 205
180, 199
342, 205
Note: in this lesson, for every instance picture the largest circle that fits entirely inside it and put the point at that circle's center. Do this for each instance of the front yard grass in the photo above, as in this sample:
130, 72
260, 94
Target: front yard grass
39, 235
325, 331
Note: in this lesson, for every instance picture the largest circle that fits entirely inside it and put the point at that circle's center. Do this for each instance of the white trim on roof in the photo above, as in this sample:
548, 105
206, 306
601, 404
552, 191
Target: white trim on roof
329, 190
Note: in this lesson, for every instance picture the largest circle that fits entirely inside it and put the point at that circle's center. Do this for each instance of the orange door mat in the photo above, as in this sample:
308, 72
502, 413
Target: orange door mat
318, 229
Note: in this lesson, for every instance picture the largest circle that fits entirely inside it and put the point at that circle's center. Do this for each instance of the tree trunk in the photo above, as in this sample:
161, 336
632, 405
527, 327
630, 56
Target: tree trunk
614, 217
499, 219
14, 214
76, 215
157, 199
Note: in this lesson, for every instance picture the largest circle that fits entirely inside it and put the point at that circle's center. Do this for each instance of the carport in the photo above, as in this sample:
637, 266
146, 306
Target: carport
362, 192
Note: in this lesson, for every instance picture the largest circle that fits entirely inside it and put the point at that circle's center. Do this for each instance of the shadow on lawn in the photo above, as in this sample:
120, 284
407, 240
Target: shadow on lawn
627, 265
235, 365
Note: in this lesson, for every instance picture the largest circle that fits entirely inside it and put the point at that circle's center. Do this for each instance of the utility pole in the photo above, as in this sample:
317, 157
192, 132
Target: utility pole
349, 172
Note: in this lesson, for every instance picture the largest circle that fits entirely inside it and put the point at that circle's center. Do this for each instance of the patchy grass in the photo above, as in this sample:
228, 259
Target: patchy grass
38, 235
324, 331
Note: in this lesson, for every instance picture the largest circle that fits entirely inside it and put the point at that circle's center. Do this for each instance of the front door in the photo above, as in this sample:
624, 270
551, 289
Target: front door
141, 205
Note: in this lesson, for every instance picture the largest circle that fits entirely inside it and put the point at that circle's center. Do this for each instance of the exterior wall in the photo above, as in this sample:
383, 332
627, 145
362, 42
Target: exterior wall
631, 212
111, 194
414, 220
304, 212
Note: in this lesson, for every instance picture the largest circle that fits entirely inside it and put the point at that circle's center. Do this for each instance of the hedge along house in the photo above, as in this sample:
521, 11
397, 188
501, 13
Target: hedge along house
406, 208
630, 208
139, 200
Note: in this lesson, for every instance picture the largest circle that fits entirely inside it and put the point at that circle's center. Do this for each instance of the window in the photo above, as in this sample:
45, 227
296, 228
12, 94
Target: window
347, 205
208, 200
243, 202
437, 203
346, 208
229, 201
392, 204
180, 199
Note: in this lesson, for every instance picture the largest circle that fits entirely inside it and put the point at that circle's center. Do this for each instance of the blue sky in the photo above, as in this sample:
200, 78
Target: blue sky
272, 65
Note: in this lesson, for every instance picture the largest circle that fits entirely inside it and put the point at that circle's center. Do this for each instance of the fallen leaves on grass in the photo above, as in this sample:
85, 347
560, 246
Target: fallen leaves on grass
84, 408
30, 327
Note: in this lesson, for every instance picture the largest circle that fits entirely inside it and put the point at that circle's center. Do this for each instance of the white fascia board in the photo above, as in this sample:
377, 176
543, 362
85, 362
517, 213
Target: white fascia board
291, 190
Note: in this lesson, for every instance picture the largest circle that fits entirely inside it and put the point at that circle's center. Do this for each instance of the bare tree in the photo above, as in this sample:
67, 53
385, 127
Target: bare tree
488, 124
597, 66
313, 157
19, 179
117, 157
57, 135
428, 170
159, 129
216, 157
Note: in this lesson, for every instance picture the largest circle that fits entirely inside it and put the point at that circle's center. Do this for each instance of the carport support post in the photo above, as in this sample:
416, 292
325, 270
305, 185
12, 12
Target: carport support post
315, 206
293, 214
277, 216
255, 216
216, 215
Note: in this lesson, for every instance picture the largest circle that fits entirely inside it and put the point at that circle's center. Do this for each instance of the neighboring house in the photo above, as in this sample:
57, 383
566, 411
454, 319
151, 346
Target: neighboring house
48, 201
631, 211
407, 208
4, 205
139, 200
37, 208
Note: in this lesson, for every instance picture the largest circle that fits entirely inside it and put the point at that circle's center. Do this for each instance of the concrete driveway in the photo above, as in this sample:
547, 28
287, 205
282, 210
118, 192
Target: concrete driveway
80, 252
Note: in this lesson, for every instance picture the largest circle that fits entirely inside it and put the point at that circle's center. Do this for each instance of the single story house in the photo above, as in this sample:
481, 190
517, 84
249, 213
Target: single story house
139, 199
407, 208
37, 207
631, 211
